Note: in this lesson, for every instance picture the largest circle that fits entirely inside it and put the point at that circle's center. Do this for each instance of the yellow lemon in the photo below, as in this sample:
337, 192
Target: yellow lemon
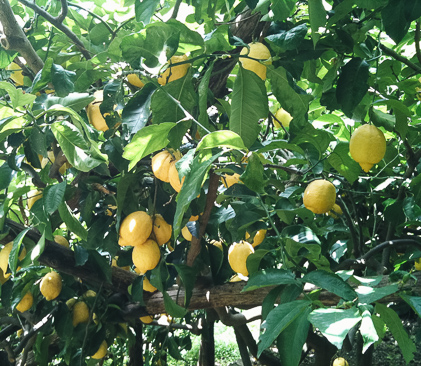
194, 217
59, 239
80, 313
135, 229
340, 361
258, 238
94, 114
175, 181
336, 211
175, 72
71, 302
25, 303
258, 51
229, 180
16, 75
135, 80
418, 264
217, 244
146, 319
319, 196
237, 256
51, 285
147, 286
33, 196
235, 278
161, 229
161, 163
367, 146
4, 260
185, 232
102, 351
146, 256
282, 116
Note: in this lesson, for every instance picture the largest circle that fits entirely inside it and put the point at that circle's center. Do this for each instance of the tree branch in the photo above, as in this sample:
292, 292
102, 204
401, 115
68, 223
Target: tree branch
13, 38
64, 10
400, 58
54, 21
417, 41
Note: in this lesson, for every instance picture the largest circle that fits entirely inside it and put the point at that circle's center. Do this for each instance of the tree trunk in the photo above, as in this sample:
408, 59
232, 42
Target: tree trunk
207, 343
136, 350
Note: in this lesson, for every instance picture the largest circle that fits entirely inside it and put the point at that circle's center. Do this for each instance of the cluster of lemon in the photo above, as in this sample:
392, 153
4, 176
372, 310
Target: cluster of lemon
163, 167
145, 234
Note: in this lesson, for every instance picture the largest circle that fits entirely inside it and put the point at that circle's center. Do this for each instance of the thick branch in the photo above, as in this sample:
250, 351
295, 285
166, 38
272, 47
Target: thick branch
59, 25
400, 58
13, 38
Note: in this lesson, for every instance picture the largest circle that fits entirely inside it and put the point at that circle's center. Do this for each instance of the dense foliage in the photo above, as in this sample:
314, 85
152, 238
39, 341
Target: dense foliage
334, 66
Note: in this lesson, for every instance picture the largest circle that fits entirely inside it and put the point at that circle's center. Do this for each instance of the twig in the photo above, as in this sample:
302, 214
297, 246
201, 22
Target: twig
64, 10
13, 38
400, 58
417, 41
53, 20
285, 168
351, 226
176, 9
36, 180
94, 16
100, 188
204, 219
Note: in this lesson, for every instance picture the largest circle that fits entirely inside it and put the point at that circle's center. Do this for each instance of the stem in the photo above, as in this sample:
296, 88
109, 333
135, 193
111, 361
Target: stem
400, 58
94, 16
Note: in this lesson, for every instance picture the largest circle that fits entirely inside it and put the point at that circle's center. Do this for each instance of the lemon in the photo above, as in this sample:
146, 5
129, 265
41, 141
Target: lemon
237, 257
258, 51
147, 286
71, 302
102, 351
80, 313
51, 158
25, 303
194, 217
218, 244
161, 165
235, 278
146, 256
51, 285
175, 72
59, 239
319, 196
175, 181
229, 180
94, 114
161, 229
367, 146
146, 319
418, 264
282, 116
135, 229
135, 80
88, 294
336, 211
33, 196
185, 232
258, 238
16, 75
4, 259
340, 361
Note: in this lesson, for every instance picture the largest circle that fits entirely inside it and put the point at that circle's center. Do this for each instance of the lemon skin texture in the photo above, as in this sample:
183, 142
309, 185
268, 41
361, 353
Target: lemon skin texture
367, 146
237, 257
319, 196
258, 51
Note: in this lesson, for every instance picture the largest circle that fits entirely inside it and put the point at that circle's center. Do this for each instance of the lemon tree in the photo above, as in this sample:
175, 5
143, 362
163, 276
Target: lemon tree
165, 165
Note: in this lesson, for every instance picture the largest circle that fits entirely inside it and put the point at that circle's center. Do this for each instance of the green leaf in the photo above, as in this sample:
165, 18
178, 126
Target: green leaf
341, 160
144, 10
289, 39
414, 302
72, 222
224, 138
172, 308
282, 9
136, 112
395, 21
137, 290
6, 175
278, 319
395, 326
254, 259
75, 101
249, 105
191, 188
62, 80
270, 277
17, 96
254, 177
79, 152
146, 141
368, 330
332, 283
352, 84
293, 99
165, 109
203, 91
381, 119
188, 277
53, 197
14, 253
369, 295
291, 341
335, 324
317, 15
280, 144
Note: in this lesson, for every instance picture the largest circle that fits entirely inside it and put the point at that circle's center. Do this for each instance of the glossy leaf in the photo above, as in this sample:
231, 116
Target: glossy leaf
270, 277
227, 139
72, 222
